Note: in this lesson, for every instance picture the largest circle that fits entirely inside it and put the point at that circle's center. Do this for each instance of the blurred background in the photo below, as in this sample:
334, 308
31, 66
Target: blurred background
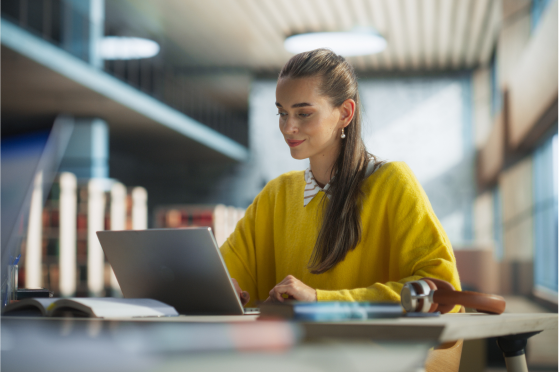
170, 106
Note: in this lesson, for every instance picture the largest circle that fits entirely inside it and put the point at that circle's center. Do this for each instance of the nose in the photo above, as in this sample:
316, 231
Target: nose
290, 126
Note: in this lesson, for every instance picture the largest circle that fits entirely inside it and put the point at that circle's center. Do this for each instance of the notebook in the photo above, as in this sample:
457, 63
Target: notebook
90, 308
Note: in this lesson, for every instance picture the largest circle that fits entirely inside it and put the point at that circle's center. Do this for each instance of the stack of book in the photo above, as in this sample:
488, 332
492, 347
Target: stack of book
220, 218
66, 256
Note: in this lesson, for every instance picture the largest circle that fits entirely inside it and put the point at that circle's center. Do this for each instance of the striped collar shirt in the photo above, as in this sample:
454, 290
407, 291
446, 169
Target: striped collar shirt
312, 188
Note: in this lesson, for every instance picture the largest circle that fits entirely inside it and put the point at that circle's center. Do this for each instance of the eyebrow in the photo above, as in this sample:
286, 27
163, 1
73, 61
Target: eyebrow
302, 104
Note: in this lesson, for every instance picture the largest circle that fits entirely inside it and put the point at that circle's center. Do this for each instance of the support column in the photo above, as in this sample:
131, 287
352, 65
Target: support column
83, 24
87, 154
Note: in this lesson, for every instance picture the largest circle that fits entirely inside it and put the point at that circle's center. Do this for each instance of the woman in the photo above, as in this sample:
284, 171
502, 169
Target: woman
350, 228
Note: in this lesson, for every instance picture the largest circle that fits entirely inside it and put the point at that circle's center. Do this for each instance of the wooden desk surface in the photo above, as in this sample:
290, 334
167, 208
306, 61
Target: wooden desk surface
448, 327
69, 344
103, 345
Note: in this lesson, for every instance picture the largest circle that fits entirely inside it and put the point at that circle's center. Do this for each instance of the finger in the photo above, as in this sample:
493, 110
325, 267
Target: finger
275, 295
245, 297
237, 286
288, 279
289, 290
292, 292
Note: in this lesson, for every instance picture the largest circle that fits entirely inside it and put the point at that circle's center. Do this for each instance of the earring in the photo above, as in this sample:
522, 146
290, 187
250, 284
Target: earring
343, 134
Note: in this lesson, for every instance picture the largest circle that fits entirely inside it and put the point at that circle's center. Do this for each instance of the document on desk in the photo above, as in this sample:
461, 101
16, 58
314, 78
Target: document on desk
329, 311
90, 308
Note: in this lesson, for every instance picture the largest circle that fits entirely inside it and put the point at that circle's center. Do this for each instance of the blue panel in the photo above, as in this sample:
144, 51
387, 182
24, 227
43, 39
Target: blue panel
469, 148
546, 215
21, 156
498, 224
538, 8
555, 247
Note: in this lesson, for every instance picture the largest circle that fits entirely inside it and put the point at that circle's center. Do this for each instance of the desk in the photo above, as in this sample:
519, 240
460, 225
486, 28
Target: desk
121, 345
93, 345
446, 328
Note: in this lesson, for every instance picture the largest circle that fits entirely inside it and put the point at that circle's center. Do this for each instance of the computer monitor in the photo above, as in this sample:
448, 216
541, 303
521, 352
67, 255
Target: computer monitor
23, 157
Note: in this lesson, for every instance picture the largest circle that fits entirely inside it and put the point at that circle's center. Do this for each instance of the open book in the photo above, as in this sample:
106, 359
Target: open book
90, 307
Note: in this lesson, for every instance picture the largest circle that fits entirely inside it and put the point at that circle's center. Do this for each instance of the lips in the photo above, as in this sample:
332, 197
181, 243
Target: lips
294, 143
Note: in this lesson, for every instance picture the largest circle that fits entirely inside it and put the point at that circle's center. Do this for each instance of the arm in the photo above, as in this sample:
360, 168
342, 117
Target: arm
238, 252
418, 246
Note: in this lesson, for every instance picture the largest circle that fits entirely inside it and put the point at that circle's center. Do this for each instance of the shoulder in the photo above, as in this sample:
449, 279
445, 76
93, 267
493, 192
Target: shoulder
393, 171
285, 182
393, 176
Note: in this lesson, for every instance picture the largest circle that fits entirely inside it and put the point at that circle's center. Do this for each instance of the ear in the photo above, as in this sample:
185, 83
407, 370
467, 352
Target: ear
347, 111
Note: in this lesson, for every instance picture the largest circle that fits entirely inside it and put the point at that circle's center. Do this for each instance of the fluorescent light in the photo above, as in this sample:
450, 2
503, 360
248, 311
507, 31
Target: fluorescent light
116, 47
351, 43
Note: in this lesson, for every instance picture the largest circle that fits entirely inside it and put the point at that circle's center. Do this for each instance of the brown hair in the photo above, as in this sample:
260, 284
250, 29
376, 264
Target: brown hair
341, 228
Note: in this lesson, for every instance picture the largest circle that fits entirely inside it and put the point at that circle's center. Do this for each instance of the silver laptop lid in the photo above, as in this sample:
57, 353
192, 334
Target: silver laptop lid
180, 267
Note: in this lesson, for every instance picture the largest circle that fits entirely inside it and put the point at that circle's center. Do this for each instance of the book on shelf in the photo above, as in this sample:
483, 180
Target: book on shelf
329, 311
90, 308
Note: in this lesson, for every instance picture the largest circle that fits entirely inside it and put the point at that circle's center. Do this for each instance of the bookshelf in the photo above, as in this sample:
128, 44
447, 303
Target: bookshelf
222, 219
61, 251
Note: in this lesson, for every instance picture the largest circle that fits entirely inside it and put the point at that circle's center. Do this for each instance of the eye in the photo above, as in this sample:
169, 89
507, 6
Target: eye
304, 115
282, 114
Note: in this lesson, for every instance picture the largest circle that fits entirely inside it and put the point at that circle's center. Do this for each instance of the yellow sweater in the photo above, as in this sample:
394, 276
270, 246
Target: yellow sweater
402, 240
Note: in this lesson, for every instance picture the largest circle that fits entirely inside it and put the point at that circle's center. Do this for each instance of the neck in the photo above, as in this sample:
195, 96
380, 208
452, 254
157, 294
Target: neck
322, 164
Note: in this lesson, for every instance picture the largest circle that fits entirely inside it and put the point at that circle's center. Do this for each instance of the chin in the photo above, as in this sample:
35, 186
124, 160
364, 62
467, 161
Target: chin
298, 155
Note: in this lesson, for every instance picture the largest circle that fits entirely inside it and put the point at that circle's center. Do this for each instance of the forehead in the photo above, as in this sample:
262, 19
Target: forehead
291, 91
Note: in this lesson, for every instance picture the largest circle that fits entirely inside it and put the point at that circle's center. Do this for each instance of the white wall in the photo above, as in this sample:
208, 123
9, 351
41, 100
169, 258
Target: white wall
426, 122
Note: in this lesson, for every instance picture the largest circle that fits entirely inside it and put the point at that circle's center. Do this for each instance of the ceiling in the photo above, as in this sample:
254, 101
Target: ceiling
422, 35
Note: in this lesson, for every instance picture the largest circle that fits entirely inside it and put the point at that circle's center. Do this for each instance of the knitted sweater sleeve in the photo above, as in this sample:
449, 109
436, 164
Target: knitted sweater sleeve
239, 252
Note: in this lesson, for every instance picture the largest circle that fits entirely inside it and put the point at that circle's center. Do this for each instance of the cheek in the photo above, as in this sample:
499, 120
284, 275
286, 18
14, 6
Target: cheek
312, 128
321, 128
281, 124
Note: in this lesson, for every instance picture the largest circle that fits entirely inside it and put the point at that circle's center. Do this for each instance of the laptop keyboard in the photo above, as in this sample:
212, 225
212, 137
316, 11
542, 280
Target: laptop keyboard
252, 311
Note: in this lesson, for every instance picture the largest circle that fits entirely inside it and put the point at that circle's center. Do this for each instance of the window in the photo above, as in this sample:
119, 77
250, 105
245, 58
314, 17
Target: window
546, 244
538, 9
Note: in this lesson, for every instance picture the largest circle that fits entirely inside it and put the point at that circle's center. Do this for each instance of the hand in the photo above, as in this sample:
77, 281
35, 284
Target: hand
243, 295
294, 288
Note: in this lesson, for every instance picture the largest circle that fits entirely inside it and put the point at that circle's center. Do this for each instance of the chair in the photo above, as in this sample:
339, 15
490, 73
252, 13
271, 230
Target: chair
445, 357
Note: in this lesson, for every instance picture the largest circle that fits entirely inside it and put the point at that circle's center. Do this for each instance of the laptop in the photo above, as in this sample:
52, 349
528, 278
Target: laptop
180, 267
